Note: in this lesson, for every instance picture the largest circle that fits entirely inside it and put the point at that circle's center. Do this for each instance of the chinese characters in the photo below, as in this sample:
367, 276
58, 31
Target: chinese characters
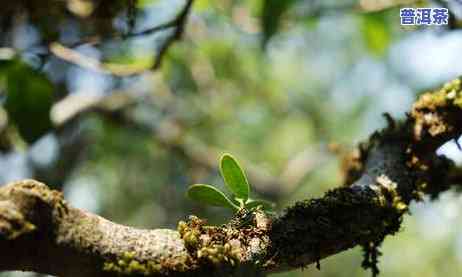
424, 16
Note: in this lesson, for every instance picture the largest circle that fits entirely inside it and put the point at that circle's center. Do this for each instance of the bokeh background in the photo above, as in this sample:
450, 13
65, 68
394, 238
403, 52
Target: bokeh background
285, 86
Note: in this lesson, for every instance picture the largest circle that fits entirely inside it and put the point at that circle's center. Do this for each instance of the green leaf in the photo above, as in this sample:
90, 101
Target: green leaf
272, 12
252, 203
210, 195
29, 98
234, 177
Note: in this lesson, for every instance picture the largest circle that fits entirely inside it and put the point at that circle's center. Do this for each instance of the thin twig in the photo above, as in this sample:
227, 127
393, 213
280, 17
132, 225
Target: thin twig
178, 22
180, 25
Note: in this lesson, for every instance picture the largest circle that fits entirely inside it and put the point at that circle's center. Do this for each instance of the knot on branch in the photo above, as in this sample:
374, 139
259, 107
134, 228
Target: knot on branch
26, 206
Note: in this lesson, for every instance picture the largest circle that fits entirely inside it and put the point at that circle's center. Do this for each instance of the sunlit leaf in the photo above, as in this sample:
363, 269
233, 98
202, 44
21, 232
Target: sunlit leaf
234, 177
210, 195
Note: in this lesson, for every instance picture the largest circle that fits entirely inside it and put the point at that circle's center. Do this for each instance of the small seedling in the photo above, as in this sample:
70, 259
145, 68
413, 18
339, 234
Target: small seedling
235, 181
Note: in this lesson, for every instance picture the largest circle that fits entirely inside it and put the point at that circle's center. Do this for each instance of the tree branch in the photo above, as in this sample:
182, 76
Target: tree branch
40, 232
66, 52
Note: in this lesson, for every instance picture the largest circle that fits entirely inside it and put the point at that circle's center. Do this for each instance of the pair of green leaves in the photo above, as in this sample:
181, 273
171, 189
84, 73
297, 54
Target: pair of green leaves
235, 181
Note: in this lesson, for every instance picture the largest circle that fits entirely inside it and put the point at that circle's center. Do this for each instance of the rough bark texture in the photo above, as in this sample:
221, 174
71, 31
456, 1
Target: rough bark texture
40, 232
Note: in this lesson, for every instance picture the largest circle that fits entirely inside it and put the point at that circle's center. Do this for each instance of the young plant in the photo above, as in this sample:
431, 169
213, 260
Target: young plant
235, 181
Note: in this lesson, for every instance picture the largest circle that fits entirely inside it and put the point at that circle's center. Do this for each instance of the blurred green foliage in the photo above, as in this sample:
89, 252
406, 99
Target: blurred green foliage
377, 32
271, 14
324, 78
29, 97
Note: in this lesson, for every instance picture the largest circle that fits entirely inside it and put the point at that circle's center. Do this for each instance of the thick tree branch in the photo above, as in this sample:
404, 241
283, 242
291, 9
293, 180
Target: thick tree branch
395, 166
40, 232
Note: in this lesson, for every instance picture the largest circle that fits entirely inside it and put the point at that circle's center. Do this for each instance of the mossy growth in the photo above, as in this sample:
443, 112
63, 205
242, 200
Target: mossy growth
226, 247
343, 218
387, 194
371, 256
208, 244
427, 110
449, 94
243, 239
128, 265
